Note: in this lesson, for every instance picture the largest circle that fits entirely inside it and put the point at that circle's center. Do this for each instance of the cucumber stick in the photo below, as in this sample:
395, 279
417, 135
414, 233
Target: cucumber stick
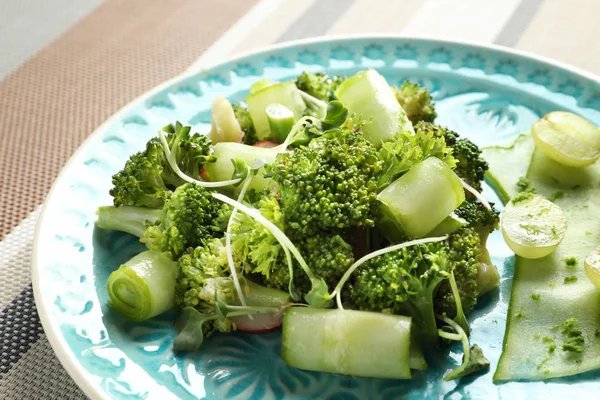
281, 120
285, 93
368, 94
437, 189
223, 169
525, 355
449, 225
511, 161
347, 342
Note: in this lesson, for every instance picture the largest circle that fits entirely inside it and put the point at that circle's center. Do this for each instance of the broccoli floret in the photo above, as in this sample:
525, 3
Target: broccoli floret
484, 222
464, 250
478, 216
204, 271
319, 85
243, 117
416, 101
328, 184
405, 282
470, 165
148, 180
328, 256
574, 340
190, 216
253, 245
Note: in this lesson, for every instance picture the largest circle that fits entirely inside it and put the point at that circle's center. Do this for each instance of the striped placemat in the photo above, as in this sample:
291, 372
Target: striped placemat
67, 65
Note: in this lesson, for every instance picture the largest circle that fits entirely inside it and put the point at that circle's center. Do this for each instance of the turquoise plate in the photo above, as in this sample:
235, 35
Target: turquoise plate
487, 94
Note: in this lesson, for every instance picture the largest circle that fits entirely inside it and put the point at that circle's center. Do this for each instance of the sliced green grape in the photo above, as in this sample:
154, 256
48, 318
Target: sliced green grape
567, 138
592, 266
533, 227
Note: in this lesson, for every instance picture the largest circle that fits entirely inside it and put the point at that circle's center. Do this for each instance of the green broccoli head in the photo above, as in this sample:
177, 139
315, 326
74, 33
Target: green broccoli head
254, 247
148, 180
479, 217
327, 255
328, 184
190, 216
204, 271
470, 165
243, 117
404, 282
319, 85
416, 101
464, 248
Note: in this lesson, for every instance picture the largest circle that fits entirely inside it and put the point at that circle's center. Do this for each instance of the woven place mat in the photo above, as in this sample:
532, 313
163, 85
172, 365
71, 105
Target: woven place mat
47, 108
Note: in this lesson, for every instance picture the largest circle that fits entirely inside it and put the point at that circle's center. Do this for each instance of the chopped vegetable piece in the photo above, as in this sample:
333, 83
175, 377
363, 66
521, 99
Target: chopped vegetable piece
281, 121
567, 138
285, 93
368, 94
144, 286
513, 157
133, 220
347, 342
592, 266
449, 225
576, 300
438, 189
223, 168
533, 227
225, 126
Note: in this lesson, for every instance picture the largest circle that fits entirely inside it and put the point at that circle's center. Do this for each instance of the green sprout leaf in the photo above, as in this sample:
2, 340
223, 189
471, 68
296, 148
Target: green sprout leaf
190, 326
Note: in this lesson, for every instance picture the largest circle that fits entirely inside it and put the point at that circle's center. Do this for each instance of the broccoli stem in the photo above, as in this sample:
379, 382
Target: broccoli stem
422, 312
128, 219
144, 286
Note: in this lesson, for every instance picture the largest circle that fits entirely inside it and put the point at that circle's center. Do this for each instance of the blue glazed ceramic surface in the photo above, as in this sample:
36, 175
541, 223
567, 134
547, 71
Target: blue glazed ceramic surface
486, 94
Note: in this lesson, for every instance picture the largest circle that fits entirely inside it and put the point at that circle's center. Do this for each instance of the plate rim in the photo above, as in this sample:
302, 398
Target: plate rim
52, 329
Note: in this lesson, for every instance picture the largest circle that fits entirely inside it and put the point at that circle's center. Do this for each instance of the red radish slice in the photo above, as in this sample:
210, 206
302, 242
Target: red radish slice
267, 144
260, 323
204, 174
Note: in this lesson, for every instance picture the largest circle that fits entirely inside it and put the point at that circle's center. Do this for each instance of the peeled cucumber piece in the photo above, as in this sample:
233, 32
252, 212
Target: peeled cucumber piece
347, 342
144, 286
449, 225
223, 169
564, 291
285, 93
368, 94
421, 199
512, 161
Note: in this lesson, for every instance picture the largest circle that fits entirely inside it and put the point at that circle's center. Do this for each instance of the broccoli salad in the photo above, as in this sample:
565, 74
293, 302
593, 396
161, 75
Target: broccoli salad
335, 209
